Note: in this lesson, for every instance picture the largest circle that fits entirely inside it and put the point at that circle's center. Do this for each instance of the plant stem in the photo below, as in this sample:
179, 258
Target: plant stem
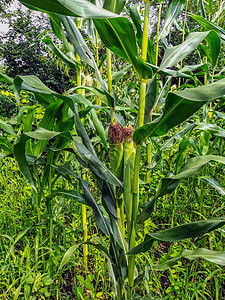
79, 91
119, 291
98, 101
109, 70
84, 211
37, 203
51, 216
85, 247
174, 205
131, 259
148, 173
185, 18
157, 34
109, 74
149, 145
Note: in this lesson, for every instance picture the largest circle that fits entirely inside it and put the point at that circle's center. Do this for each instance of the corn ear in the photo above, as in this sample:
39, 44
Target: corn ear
115, 134
128, 171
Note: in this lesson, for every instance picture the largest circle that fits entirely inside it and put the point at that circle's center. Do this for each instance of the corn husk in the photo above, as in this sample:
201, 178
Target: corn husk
128, 170
115, 134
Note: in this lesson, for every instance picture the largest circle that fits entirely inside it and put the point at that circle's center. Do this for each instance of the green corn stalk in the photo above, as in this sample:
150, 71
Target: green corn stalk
157, 34
149, 144
84, 210
135, 199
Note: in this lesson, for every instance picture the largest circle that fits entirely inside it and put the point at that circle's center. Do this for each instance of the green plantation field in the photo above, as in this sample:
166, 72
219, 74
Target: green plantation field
112, 150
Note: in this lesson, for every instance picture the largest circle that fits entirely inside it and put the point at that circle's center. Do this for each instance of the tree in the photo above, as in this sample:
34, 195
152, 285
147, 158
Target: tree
21, 52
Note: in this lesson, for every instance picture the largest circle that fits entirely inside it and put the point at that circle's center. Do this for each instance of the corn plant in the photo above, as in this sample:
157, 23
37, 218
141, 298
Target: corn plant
119, 216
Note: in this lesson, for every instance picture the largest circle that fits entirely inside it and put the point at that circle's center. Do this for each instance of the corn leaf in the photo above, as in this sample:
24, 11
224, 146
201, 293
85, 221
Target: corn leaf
81, 8
7, 128
69, 194
178, 107
209, 25
115, 6
95, 164
211, 128
114, 33
168, 185
175, 8
67, 256
215, 184
19, 154
101, 221
174, 55
185, 231
72, 64
216, 257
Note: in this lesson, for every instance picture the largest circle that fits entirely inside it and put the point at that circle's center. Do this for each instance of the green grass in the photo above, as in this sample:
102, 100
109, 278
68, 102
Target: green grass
24, 275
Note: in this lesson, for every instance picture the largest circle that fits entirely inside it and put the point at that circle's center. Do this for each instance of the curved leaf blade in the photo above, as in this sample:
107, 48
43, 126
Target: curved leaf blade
178, 107
174, 55
81, 8
115, 6
185, 231
215, 184
69, 194
67, 256
175, 8
67, 61
19, 153
209, 25
114, 33
217, 257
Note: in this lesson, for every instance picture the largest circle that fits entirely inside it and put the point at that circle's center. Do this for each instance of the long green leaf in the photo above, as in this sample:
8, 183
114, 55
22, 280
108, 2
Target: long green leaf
6, 78
150, 98
215, 184
67, 256
209, 26
69, 62
174, 55
191, 168
56, 25
82, 49
6, 146
19, 153
108, 199
216, 257
115, 6
101, 221
69, 194
212, 128
7, 127
168, 185
114, 33
195, 164
178, 107
185, 231
116, 76
175, 8
95, 164
47, 122
99, 127
82, 132
81, 8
